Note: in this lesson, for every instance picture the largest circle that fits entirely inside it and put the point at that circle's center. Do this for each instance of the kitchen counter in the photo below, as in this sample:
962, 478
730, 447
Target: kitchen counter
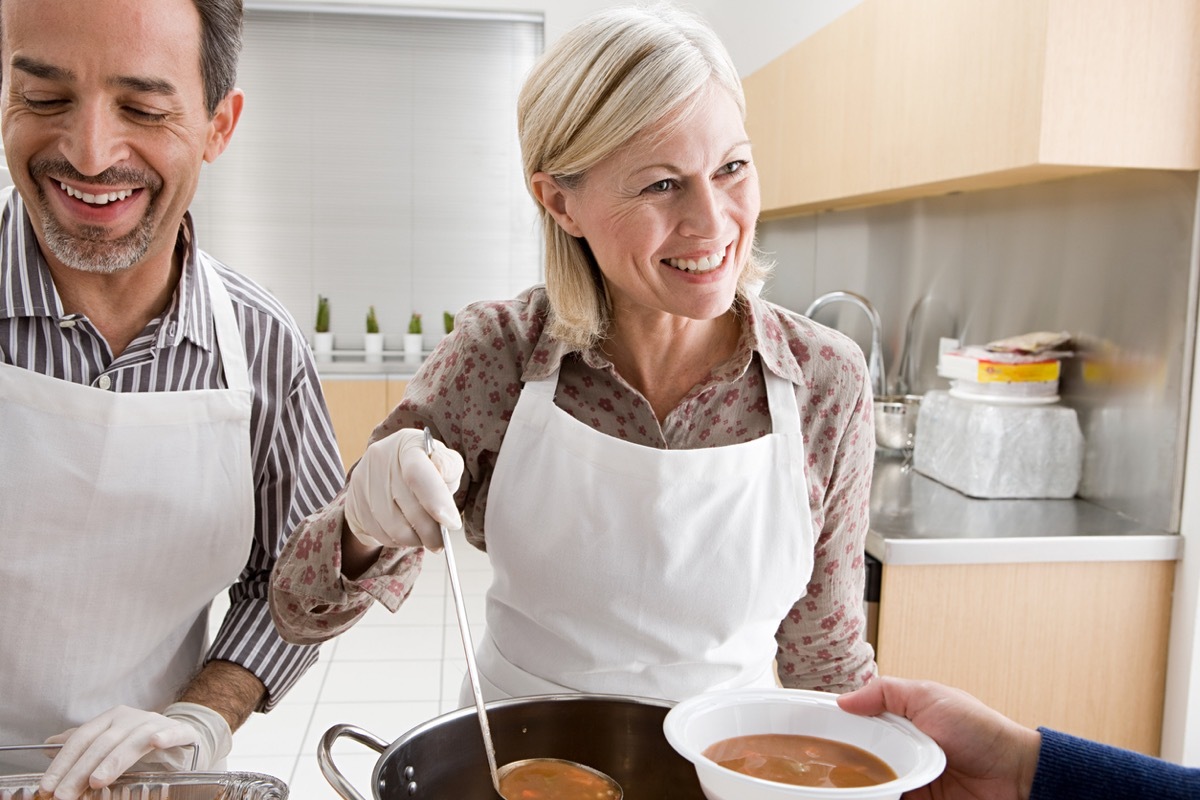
917, 520
353, 364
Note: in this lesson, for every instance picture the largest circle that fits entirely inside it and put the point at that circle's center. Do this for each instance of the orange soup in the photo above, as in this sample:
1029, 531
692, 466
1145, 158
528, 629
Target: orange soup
801, 761
549, 779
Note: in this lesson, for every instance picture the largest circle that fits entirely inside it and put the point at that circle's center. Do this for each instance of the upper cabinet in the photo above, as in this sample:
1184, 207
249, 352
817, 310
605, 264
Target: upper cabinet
899, 99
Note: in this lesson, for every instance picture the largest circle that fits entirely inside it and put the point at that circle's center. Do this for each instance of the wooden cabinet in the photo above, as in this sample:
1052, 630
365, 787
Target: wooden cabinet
1079, 647
906, 98
356, 406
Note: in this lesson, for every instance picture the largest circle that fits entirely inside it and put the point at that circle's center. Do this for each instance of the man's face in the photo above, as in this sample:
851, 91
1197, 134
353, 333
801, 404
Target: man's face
104, 124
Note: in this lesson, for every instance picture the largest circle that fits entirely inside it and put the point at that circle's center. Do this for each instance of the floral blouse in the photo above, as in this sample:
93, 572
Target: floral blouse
466, 392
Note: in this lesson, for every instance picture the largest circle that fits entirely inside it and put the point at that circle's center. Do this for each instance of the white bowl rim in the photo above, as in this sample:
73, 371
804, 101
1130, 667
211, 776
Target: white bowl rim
928, 750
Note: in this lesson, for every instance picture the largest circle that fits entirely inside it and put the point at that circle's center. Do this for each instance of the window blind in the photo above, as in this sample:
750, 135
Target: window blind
376, 162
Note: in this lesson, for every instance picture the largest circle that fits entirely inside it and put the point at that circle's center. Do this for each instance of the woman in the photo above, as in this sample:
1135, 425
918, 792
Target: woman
670, 475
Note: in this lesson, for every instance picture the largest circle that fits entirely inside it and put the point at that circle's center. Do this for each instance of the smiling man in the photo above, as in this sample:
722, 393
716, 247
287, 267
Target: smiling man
163, 426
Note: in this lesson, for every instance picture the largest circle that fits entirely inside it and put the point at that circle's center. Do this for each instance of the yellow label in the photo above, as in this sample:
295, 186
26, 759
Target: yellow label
993, 372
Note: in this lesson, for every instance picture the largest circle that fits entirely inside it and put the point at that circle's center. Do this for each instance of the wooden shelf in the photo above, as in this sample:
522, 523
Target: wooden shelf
900, 99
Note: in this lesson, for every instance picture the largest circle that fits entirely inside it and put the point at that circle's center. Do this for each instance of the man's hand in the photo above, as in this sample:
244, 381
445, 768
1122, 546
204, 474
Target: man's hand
99, 751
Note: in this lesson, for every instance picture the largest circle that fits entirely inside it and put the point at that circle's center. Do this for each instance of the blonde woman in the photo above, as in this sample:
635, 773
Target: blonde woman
670, 475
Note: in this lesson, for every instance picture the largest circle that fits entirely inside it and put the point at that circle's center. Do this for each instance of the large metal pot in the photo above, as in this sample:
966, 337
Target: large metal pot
444, 757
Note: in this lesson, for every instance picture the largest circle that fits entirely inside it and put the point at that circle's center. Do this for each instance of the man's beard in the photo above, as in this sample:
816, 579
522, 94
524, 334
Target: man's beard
90, 248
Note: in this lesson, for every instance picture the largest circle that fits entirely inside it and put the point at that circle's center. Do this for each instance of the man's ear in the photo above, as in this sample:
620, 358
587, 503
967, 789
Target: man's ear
221, 126
556, 199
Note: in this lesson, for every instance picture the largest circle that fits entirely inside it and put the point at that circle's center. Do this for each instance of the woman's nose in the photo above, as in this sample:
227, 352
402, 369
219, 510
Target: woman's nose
704, 212
94, 140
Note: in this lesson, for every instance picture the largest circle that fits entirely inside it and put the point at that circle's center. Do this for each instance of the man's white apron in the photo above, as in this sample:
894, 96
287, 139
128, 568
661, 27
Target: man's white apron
626, 569
123, 516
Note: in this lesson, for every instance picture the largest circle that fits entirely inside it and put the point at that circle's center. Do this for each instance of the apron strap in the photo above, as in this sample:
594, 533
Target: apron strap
229, 337
781, 399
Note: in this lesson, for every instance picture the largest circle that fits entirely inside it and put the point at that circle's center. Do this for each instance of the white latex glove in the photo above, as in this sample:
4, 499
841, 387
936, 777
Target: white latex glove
99, 751
398, 495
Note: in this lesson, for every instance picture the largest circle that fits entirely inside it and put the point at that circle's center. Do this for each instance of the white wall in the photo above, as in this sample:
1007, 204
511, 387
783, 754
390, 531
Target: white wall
754, 31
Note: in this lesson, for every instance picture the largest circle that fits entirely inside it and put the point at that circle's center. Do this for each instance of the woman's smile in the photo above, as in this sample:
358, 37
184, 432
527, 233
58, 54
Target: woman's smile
702, 264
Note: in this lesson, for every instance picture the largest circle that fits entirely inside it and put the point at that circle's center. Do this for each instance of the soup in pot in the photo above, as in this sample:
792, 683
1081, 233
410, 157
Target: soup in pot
551, 779
801, 761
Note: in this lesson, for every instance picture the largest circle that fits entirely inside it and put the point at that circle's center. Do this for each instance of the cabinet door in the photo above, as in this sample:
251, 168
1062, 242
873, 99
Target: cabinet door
1079, 647
395, 391
356, 407
896, 100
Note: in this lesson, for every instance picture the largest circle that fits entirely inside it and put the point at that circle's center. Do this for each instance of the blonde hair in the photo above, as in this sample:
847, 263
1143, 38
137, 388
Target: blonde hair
602, 83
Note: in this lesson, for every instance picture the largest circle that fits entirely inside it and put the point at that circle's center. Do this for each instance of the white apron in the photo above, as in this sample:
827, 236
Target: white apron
123, 516
626, 569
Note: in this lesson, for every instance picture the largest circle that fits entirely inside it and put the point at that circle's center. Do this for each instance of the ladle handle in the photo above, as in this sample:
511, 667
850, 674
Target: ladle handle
464, 630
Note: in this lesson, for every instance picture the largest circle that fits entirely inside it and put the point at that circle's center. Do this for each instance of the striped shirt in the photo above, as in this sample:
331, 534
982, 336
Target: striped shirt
296, 469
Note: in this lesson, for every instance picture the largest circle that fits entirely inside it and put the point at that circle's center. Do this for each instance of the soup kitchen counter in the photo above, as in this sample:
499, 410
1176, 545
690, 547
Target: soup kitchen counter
917, 520
1036, 607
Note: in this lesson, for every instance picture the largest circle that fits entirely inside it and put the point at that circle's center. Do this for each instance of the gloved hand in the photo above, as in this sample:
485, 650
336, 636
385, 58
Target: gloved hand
99, 751
398, 495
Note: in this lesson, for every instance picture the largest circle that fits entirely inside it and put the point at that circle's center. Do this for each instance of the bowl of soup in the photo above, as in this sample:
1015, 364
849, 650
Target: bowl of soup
784, 744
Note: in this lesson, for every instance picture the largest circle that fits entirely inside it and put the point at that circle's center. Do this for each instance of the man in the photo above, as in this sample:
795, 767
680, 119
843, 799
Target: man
162, 425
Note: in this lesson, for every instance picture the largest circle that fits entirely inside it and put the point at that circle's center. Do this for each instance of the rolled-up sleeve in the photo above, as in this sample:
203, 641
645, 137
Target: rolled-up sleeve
312, 601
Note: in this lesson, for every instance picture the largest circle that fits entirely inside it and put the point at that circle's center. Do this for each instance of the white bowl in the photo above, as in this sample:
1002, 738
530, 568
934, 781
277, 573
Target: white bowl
699, 722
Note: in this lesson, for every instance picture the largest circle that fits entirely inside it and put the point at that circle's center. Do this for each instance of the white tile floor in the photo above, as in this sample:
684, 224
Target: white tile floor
386, 675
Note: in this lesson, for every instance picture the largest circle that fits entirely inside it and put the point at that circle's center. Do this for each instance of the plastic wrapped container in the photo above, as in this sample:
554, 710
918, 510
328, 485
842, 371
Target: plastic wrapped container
993, 450
163, 786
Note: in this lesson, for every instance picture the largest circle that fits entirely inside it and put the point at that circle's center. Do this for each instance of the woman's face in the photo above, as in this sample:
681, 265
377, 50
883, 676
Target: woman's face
670, 218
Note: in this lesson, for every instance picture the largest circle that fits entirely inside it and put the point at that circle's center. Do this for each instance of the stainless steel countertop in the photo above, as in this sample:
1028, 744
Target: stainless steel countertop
354, 365
917, 520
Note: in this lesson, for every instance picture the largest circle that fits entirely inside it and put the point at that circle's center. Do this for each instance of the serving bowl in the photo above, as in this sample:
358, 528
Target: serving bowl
699, 722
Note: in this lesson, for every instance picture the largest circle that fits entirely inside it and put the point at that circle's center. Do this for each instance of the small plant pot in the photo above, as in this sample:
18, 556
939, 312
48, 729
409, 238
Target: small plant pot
413, 342
322, 345
373, 347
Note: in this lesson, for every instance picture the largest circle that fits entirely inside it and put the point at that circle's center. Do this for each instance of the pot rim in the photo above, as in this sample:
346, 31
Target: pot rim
470, 711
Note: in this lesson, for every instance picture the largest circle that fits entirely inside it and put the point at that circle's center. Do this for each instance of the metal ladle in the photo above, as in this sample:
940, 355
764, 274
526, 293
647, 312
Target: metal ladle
464, 631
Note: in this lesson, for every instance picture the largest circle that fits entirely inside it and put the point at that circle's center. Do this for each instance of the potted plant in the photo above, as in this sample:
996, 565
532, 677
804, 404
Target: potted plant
322, 337
373, 340
413, 341
448, 321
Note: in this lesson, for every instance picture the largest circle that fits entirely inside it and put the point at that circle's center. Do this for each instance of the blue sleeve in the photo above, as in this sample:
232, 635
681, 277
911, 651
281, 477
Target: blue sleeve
1070, 768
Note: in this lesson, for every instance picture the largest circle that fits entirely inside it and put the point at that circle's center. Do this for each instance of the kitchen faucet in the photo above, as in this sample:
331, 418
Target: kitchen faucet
875, 358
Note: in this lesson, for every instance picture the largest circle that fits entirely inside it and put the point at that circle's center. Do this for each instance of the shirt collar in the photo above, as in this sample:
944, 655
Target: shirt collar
27, 288
761, 333
190, 313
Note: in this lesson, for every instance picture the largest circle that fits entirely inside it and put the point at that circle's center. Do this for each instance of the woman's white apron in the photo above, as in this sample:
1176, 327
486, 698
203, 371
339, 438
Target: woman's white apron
123, 516
626, 569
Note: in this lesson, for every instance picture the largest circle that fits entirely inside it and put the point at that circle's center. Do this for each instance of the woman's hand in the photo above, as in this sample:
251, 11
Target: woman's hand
988, 756
398, 496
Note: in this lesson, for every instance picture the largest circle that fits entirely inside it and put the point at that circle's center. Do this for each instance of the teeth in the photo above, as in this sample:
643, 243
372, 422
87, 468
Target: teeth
95, 199
699, 264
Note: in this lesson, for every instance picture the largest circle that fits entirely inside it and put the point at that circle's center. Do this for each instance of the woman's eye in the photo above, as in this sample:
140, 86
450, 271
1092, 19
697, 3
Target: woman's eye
733, 166
660, 187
